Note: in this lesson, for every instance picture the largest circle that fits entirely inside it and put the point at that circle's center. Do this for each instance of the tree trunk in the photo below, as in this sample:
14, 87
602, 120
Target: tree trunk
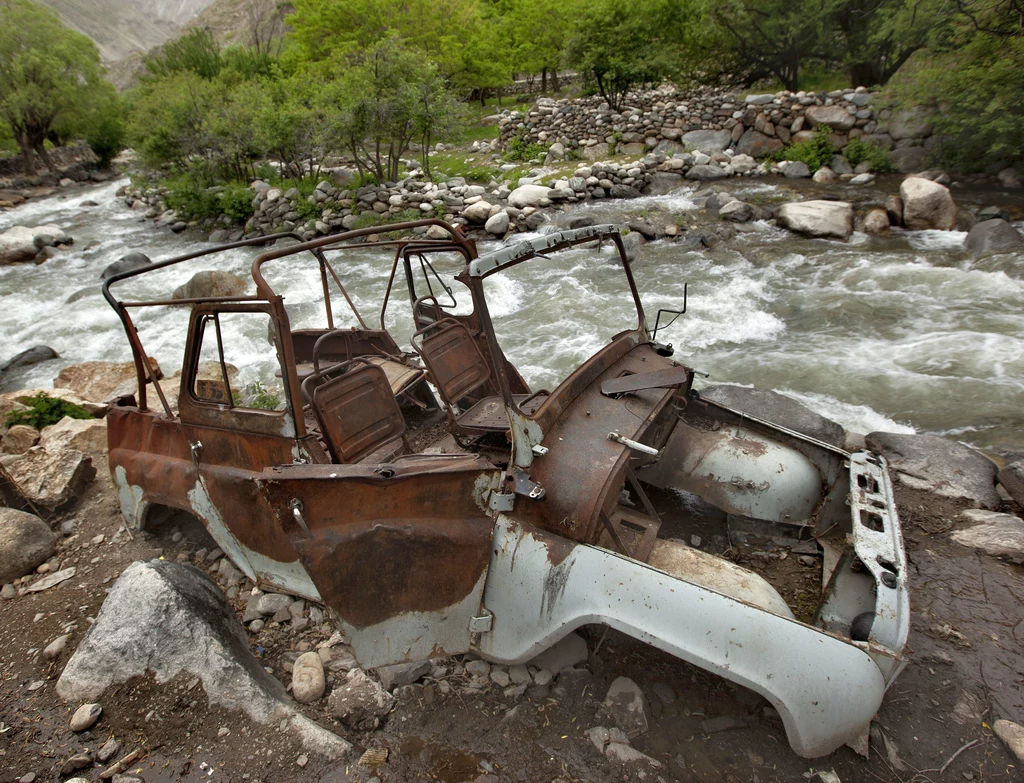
544, 80
27, 156
483, 96
554, 79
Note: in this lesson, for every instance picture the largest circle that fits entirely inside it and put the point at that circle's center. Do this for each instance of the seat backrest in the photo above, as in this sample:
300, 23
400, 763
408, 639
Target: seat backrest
357, 412
453, 359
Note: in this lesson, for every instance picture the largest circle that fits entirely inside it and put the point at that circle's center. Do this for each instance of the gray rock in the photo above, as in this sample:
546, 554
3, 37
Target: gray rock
797, 169
85, 716
756, 144
211, 284
564, 654
497, 224
478, 668
909, 159
25, 542
308, 679
876, 222
19, 439
998, 535
836, 117
107, 750
527, 196
840, 165
125, 263
500, 678
627, 754
992, 237
707, 141
1012, 479
1013, 735
717, 200
894, 209
626, 706
927, 205
910, 124
936, 465
824, 176
53, 650
392, 677
51, 580
149, 610
270, 604
8, 592
705, 172
827, 219
478, 212
863, 179
631, 243
359, 702
778, 409
760, 100
737, 212
580, 221
34, 355
623, 191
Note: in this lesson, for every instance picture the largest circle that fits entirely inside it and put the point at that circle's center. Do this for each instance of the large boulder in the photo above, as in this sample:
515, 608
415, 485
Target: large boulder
908, 160
927, 205
910, 124
827, 219
25, 542
707, 141
27, 358
97, 381
836, 117
939, 466
991, 237
17, 244
140, 630
876, 222
211, 284
19, 439
778, 409
1012, 479
527, 196
998, 535
478, 212
88, 436
125, 263
706, 172
50, 480
756, 144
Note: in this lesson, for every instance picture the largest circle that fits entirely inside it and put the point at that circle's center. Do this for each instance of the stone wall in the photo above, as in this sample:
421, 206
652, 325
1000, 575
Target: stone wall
672, 120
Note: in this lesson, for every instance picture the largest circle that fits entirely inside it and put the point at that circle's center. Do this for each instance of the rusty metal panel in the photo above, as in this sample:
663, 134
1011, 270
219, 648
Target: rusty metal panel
357, 412
453, 359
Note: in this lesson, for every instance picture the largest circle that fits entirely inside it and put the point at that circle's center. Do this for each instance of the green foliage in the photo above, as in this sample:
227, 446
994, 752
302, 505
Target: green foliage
236, 202
193, 196
256, 395
816, 151
44, 410
195, 52
104, 128
858, 151
520, 150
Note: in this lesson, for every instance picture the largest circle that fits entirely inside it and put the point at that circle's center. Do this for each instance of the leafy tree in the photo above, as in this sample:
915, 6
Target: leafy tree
48, 75
197, 51
540, 28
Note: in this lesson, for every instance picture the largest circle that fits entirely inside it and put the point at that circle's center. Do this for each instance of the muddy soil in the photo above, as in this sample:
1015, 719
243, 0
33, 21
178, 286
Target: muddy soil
966, 670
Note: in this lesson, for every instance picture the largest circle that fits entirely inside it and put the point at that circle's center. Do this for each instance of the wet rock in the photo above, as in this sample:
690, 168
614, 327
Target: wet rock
778, 409
927, 205
211, 284
824, 176
17, 244
937, 465
564, 654
19, 439
34, 355
25, 542
51, 480
108, 750
1013, 735
876, 222
308, 679
894, 208
126, 263
705, 172
53, 650
797, 169
626, 706
992, 237
359, 702
864, 178
826, 219
88, 436
527, 196
149, 610
85, 716
1012, 479
737, 212
623, 191
402, 674
998, 535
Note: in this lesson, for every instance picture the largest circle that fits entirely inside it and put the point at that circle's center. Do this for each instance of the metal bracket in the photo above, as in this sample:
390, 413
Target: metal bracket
539, 450
524, 486
501, 501
481, 623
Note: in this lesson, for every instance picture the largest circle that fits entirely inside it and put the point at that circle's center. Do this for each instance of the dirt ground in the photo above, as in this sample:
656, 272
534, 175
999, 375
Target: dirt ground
966, 670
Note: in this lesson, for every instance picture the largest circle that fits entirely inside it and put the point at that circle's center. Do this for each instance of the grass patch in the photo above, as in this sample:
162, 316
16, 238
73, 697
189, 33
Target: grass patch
44, 410
813, 78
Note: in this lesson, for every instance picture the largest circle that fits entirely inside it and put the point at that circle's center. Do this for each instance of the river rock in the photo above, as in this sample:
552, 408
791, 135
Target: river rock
797, 169
1012, 479
478, 212
998, 535
497, 224
402, 674
828, 219
19, 439
88, 436
707, 141
124, 264
991, 237
927, 205
568, 652
308, 679
626, 706
86, 716
910, 124
825, 176
908, 160
778, 409
34, 355
1013, 735
25, 543
97, 381
876, 222
836, 117
149, 611
17, 244
736, 212
706, 172
51, 480
211, 284
937, 465
53, 650
527, 196
756, 144
359, 702
894, 209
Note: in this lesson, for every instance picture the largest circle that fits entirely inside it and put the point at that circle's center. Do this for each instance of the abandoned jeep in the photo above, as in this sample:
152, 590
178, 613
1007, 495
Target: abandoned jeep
438, 505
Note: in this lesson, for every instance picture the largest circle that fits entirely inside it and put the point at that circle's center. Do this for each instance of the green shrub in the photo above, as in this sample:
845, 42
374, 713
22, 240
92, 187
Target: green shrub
816, 151
44, 410
520, 150
236, 203
858, 151
256, 395
189, 196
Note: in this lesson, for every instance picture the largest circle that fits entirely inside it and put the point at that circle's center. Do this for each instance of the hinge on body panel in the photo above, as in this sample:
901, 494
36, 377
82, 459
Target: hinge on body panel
481, 623
501, 501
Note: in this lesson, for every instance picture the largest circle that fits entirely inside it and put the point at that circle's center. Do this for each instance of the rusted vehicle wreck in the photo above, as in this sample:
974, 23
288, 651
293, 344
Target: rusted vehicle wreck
437, 505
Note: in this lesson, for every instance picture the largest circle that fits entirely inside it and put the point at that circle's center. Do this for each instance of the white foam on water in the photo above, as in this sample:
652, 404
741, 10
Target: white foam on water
854, 418
933, 240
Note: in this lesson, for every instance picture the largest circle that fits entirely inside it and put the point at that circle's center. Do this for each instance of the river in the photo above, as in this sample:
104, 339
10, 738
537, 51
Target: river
902, 333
